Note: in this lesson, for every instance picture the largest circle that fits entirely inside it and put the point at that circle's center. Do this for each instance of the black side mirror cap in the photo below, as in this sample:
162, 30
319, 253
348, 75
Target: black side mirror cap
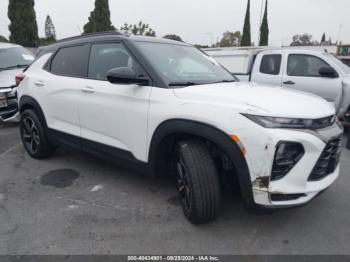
328, 71
125, 75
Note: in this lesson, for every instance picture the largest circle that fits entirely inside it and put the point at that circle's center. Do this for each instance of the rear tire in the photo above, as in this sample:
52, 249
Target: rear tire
34, 137
197, 181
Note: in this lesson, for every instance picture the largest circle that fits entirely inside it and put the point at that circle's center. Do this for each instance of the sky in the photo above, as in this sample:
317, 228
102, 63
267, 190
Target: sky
201, 21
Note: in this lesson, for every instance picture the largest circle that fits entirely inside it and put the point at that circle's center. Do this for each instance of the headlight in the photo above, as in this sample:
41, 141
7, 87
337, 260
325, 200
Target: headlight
299, 123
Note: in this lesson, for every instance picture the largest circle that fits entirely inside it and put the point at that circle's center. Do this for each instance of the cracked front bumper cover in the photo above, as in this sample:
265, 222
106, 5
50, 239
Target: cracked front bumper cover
296, 188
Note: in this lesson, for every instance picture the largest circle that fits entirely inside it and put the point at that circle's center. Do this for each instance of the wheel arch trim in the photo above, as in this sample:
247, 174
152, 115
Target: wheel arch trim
32, 103
213, 134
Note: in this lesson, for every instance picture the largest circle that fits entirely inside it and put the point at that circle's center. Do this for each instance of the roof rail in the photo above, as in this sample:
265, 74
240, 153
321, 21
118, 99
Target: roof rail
92, 35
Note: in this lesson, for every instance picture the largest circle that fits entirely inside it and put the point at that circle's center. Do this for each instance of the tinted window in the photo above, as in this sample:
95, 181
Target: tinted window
305, 65
71, 61
105, 57
271, 64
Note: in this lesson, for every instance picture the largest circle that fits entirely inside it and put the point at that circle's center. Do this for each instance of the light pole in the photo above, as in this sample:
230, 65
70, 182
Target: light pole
284, 42
339, 32
79, 29
211, 38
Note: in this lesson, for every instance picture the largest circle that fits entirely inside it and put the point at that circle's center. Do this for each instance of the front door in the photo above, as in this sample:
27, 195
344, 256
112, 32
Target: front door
302, 73
113, 116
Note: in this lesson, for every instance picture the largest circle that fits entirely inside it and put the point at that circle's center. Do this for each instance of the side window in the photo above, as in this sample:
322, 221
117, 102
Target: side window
305, 65
105, 57
271, 64
71, 61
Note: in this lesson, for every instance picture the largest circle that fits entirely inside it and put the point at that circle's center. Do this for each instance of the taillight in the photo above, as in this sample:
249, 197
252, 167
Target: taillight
19, 79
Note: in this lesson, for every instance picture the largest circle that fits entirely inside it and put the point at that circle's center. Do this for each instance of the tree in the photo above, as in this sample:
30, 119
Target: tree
330, 41
50, 32
230, 39
138, 29
46, 41
23, 27
3, 39
100, 18
246, 37
323, 39
199, 46
302, 40
173, 37
264, 29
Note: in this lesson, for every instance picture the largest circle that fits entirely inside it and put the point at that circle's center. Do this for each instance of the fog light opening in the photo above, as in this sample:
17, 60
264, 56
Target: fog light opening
287, 156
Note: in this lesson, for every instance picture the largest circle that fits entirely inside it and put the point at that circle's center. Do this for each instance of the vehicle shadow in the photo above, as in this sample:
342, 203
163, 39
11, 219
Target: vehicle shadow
162, 189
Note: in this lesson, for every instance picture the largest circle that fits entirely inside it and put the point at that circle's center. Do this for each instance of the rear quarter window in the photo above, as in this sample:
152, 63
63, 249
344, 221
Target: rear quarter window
271, 64
71, 61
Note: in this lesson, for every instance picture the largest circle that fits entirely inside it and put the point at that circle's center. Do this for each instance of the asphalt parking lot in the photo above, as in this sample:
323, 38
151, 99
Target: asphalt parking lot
76, 204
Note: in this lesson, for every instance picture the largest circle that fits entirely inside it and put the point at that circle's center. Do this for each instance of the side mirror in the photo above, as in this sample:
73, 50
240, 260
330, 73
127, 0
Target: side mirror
125, 75
328, 71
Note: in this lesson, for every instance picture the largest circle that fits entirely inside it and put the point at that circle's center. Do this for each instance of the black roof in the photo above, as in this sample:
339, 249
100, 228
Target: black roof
105, 36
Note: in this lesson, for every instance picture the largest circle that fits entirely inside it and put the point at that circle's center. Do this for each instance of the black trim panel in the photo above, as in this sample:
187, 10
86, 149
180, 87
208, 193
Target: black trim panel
58, 138
28, 102
121, 157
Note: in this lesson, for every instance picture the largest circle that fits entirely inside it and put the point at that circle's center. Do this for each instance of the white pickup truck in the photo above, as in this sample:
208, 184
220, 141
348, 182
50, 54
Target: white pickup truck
315, 72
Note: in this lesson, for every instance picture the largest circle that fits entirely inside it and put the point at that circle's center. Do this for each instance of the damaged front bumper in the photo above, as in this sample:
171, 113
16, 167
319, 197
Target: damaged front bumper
271, 198
299, 186
9, 105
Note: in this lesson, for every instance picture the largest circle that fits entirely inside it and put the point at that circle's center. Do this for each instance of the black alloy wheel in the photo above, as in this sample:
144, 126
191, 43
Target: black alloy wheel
30, 135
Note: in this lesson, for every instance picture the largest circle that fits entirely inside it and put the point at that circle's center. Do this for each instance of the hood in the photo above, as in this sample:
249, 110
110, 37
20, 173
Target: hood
258, 99
8, 77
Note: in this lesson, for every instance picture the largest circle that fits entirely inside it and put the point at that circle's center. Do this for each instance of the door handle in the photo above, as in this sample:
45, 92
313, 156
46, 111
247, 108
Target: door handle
289, 83
88, 90
39, 83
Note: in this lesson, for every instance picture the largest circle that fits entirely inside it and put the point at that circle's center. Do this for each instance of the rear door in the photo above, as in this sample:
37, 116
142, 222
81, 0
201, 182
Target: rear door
302, 73
267, 69
60, 86
113, 116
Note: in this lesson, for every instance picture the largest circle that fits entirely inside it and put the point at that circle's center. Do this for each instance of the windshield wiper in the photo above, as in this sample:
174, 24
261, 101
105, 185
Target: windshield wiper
183, 84
225, 81
13, 67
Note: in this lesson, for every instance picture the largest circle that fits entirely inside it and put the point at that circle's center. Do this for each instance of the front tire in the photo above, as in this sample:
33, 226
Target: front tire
197, 182
34, 137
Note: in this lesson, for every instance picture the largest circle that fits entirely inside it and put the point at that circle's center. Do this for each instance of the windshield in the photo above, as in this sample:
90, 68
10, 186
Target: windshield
15, 56
343, 67
184, 65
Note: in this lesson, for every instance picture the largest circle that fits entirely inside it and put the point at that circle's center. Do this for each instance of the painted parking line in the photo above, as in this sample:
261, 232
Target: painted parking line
9, 150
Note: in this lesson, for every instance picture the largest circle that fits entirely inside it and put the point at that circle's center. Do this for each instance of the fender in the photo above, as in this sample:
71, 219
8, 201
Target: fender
218, 137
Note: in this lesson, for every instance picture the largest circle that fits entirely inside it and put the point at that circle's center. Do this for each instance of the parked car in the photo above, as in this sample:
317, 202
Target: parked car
168, 108
13, 59
315, 72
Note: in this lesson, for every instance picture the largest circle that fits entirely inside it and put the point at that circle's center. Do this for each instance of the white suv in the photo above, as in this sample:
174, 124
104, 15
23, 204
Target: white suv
166, 107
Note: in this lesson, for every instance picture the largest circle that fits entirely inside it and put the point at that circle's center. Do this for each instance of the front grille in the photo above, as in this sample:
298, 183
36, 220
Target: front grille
328, 161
